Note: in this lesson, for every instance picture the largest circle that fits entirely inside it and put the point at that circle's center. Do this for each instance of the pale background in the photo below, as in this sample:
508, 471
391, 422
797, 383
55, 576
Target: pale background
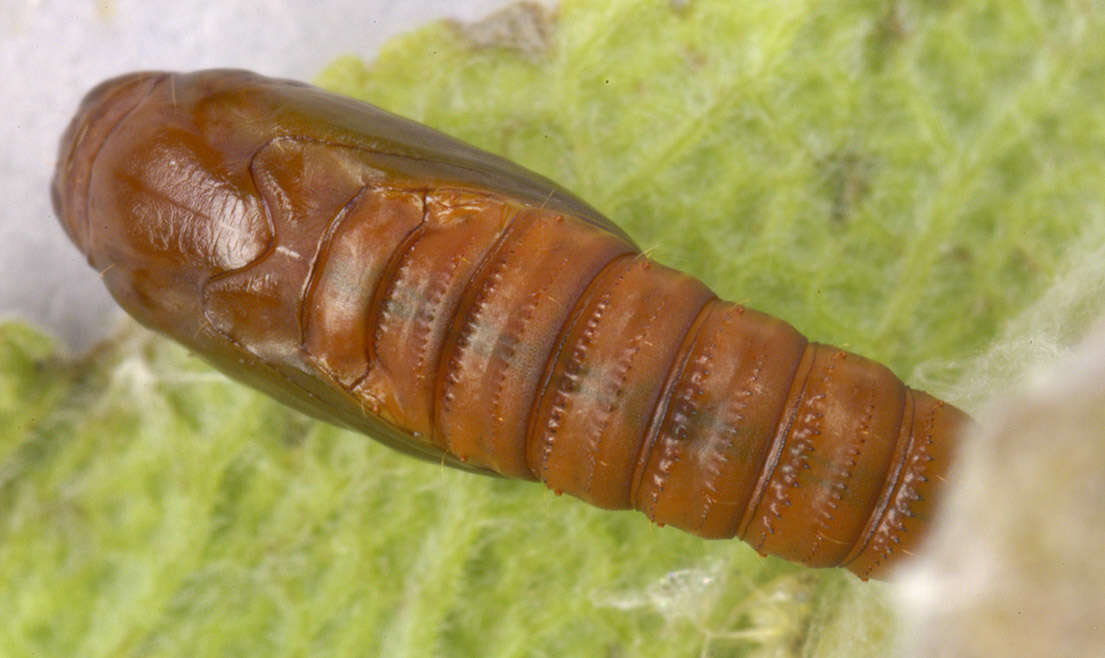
52, 51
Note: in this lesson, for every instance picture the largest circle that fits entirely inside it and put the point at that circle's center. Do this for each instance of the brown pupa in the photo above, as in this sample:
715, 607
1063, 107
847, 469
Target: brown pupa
384, 277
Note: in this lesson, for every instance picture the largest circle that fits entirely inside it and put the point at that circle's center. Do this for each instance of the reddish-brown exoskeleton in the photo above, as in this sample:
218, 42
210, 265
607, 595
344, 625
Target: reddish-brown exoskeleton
382, 276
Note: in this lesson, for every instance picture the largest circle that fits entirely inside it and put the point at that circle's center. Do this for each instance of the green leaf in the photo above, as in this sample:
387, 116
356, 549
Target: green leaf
899, 178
